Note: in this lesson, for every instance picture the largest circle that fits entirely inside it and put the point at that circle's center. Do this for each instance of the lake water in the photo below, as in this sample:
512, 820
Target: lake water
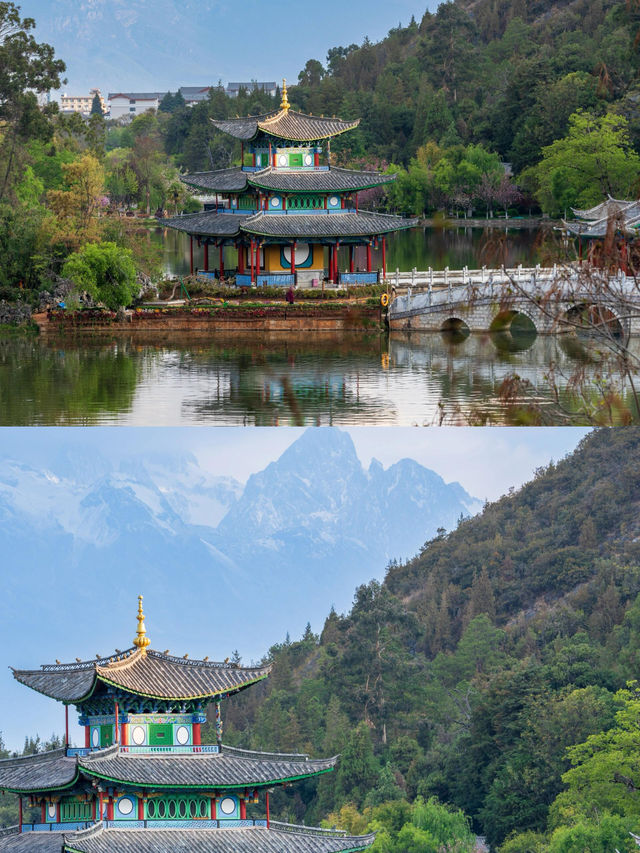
417, 247
269, 379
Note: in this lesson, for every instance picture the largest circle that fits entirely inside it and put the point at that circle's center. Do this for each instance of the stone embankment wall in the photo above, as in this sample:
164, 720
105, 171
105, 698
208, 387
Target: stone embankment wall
338, 318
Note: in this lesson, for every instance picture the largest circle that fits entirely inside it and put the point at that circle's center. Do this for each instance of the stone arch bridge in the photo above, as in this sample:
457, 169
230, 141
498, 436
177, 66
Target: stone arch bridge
545, 301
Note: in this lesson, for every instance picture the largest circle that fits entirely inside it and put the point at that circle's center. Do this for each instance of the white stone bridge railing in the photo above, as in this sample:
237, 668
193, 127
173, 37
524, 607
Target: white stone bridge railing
431, 279
544, 294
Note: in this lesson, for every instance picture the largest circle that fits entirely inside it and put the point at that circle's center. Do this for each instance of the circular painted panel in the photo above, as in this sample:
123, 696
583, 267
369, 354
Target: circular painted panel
51, 811
125, 805
303, 250
275, 202
308, 160
95, 737
334, 201
228, 805
283, 160
182, 735
138, 735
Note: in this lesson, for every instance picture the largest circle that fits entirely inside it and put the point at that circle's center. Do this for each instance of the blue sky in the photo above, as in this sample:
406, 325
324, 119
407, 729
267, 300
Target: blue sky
143, 46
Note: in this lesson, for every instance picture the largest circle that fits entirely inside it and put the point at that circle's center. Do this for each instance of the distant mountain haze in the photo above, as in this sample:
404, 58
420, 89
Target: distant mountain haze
221, 565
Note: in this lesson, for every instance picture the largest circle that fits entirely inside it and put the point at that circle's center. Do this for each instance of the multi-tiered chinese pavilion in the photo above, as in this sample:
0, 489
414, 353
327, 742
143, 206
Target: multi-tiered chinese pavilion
285, 209
144, 781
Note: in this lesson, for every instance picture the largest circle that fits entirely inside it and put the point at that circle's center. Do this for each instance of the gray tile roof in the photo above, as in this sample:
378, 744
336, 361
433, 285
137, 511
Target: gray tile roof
43, 771
222, 180
319, 225
285, 124
147, 673
208, 223
225, 770
240, 840
32, 842
333, 180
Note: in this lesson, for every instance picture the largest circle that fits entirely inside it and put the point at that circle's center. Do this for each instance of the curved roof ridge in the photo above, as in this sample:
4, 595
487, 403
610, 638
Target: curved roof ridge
209, 664
260, 756
121, 663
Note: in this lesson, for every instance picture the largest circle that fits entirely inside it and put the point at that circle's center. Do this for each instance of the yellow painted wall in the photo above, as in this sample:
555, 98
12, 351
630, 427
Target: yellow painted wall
272, 259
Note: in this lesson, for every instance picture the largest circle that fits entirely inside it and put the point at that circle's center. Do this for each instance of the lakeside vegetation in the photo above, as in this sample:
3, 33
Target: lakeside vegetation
550, 88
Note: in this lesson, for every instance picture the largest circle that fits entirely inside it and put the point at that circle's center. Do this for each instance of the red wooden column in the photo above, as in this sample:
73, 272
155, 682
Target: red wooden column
332, 249
43, 813
369, 256
191, 254
241, 259
243, 809
101, 806
213, 811
140, 808
252, 261
206, 257
293, 260
351, 258
267, 809
337, 261
384, 257
87, 742
116, 728
196, 735
124, 731
316, 163
19, 814
221, 256
110, 808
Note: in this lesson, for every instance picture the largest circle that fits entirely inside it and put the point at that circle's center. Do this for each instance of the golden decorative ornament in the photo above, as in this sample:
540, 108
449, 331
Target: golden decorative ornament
141, 641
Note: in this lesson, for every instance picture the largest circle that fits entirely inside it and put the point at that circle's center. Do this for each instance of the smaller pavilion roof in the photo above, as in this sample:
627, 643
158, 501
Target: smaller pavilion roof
285, 124
228, 769
42, 771
595, 222
319, 225
143, 672
220, 180
208, 223
331, 180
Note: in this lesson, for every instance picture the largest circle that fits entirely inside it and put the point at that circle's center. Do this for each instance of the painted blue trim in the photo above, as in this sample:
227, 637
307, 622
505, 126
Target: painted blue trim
276, 280
358, 278
243, 279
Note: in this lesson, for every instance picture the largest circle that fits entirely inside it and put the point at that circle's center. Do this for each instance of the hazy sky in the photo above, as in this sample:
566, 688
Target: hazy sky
487, 461
141, 45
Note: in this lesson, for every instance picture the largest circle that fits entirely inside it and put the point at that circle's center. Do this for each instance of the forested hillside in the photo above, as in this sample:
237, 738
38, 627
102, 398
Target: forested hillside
470, 670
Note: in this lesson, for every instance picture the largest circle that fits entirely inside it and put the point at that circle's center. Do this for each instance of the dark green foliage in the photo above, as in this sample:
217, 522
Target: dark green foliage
472, 668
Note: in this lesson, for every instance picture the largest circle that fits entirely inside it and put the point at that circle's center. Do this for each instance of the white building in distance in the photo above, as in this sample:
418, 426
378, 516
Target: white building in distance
81, 103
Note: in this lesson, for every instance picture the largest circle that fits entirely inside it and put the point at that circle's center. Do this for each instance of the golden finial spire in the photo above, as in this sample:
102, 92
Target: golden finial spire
284, 103
141, 641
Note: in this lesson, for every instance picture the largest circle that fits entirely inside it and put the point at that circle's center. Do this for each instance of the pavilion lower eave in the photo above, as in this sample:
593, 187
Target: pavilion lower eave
324, 226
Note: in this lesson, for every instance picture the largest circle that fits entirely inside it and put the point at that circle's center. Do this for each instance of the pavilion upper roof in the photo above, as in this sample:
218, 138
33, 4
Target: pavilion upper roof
99, 839
329, 180
285, 124
319, 225
296, 180
229, 769
296, 225
143, 672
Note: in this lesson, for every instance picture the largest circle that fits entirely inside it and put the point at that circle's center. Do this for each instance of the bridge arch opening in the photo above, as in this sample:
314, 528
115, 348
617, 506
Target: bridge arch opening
454, 330
512, 331
588, 318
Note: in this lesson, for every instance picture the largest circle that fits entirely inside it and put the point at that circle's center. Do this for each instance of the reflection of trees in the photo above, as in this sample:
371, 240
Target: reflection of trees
293, 379
44, 383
